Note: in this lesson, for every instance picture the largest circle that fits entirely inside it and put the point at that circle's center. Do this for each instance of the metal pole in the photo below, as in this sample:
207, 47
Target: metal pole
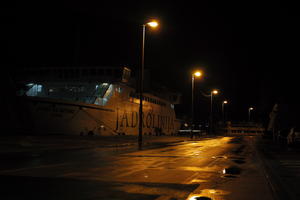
192, 106
141, 77
211, 112
249, 110
223, 114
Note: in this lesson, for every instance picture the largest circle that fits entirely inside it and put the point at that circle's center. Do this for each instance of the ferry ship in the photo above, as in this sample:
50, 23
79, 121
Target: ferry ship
90, 100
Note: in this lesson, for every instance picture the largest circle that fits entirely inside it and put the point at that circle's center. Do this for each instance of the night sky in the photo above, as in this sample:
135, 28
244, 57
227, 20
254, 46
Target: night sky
249, 50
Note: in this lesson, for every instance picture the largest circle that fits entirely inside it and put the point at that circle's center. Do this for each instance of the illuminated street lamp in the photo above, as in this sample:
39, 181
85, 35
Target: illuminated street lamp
213, 92
152, 24
223, 110
249, 113
195, 74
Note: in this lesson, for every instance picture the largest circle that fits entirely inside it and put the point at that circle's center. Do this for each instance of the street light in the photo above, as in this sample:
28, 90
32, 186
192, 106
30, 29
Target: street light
223, 111
249, 113
152, 24
213, 92
195, 74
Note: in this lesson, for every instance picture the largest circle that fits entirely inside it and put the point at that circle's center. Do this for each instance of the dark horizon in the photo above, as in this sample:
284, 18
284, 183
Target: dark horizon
247, 51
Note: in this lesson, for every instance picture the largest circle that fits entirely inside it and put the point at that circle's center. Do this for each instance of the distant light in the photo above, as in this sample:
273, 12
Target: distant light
215, 92
153, 24
251, 108
198, 74
225, 102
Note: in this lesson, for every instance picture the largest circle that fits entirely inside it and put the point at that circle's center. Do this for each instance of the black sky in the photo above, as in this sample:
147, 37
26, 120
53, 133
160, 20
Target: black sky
247, 49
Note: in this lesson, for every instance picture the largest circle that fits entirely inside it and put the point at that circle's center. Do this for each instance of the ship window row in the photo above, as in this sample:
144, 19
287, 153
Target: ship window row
148, 99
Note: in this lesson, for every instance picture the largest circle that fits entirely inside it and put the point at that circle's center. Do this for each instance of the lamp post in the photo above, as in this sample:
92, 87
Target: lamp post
141, 82
211, 109
223, 110
195, 74
249, 113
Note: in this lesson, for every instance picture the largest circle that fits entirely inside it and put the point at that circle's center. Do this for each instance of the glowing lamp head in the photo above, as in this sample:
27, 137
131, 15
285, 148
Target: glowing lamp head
153, 24
251, 108
215, 92
197, 74
225, 102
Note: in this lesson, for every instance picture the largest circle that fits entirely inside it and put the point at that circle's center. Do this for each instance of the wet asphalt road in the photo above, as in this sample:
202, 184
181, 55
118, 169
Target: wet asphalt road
217, 168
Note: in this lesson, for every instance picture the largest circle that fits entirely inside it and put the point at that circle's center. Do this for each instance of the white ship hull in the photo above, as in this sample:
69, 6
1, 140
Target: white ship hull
120, 117
89, 100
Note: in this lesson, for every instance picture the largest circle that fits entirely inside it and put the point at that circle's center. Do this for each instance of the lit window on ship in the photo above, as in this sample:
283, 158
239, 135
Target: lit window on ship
98, 94
33, 89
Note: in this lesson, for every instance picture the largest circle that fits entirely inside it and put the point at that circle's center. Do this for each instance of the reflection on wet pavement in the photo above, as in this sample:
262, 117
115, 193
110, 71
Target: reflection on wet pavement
178, 171
207, 194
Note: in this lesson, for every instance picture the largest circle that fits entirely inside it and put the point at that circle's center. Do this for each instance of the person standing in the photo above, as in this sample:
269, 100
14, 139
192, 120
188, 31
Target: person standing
273, 122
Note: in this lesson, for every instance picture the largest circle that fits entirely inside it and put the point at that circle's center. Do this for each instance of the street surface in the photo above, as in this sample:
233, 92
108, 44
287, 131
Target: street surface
219, 168
282, 163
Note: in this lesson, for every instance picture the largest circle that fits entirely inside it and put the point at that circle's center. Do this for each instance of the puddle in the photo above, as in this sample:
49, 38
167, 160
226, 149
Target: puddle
199, 198
233, 170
